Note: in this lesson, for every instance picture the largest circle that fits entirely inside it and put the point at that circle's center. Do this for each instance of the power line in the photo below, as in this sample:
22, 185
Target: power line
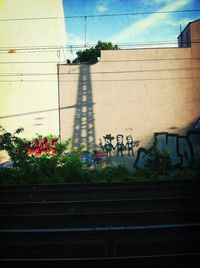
7, 50
133, 14
56, 47
101, 61
103, 80
41, 49
101, 15
101, 72
27, 62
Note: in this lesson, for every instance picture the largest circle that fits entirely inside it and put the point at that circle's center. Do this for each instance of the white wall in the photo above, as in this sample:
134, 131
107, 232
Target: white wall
33, 104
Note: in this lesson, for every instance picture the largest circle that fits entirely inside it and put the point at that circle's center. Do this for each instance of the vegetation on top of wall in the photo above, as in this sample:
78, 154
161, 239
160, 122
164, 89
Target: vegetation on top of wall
45, 159
92, 54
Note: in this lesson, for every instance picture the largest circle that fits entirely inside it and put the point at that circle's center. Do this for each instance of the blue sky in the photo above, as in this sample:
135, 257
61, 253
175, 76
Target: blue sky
164, 27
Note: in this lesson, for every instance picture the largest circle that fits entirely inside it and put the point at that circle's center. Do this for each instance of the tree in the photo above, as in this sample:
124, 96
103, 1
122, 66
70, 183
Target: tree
92, 54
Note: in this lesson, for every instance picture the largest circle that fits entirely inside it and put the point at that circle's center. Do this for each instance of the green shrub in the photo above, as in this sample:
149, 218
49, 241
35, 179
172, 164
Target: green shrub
160, 163
38, 160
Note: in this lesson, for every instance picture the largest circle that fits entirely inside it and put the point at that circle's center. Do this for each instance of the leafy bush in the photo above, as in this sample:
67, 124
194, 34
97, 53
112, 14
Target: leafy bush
15, 146
72, 166
37, 159
192, 172
159, 166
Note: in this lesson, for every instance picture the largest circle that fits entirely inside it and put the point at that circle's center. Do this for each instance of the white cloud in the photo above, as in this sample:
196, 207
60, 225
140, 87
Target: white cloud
101, 8
161, 1
75, 39
151, 20
153, 3
175, 22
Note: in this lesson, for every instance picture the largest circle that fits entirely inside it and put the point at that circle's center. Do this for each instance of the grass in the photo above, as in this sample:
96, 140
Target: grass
81, 174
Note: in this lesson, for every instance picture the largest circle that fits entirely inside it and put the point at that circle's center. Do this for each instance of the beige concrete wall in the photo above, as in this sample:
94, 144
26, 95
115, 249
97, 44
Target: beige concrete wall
136, 92
195, 55
151, 94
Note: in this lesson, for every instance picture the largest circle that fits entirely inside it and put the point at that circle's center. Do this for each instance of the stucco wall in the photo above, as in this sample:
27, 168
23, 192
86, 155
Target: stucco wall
131, 92
29, 87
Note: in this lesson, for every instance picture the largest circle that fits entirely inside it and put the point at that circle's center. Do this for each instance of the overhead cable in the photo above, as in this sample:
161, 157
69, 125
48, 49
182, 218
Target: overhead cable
100, 15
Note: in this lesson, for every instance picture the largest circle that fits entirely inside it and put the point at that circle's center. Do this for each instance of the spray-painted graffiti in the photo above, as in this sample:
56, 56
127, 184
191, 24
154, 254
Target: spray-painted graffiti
108, 147
119, 147
181, 149
130, 144
197, 125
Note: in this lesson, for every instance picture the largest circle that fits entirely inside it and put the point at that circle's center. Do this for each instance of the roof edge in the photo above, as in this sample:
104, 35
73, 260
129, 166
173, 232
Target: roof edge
187, 26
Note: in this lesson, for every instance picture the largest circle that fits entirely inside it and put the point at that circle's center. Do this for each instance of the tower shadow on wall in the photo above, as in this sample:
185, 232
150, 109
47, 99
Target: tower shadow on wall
84, 122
